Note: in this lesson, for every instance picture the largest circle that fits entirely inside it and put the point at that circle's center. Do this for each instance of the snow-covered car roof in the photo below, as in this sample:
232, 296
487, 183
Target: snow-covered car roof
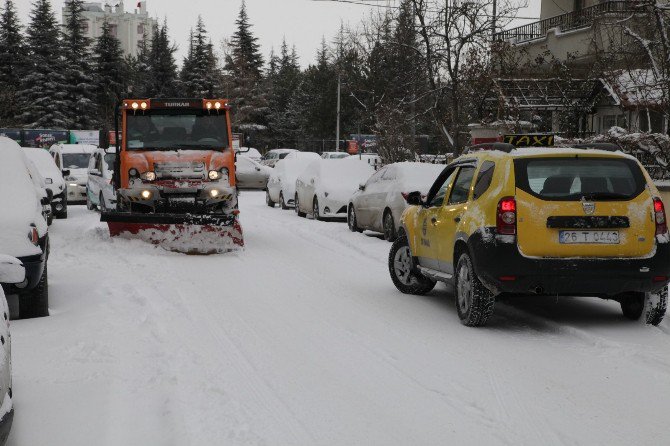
337, 174
44, 163
75, 148
20, 206
416, 176
302, 155
282, 150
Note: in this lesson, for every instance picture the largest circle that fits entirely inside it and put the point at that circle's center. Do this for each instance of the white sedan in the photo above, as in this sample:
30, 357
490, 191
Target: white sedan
324, 188
281, 184
100, 192
380, 201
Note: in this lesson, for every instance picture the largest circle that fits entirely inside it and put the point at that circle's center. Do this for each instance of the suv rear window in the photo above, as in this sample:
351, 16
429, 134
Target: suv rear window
577, 178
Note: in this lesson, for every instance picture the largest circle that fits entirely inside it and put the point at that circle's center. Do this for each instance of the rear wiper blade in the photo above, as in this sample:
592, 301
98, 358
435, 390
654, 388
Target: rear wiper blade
603, 196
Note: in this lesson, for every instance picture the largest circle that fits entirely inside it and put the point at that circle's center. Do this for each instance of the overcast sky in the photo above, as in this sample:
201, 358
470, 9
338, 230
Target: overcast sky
302, 22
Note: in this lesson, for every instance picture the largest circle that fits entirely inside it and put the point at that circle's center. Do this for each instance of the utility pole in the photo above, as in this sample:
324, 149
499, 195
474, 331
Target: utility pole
494, 20
337, 131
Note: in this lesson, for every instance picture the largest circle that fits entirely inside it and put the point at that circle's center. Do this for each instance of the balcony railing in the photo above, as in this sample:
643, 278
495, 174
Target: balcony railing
574, 20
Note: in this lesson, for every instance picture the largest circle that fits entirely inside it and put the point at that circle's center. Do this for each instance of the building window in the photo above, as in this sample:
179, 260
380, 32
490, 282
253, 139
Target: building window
610, 121
651, 121
114, 29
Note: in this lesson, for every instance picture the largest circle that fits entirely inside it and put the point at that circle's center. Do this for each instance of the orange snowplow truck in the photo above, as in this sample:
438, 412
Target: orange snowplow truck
175, 175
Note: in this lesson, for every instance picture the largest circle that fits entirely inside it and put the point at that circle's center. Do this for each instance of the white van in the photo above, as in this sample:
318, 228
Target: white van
73, 160
100, 190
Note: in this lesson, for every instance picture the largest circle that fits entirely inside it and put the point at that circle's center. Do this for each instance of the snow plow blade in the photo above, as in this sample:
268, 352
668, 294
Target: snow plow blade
187, 233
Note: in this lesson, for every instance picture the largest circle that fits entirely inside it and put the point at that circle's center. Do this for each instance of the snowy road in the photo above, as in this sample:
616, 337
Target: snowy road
303, 340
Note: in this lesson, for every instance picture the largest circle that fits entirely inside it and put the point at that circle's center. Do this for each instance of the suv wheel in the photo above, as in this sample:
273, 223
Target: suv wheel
35, 303
389, 226
282, 203
268, 200
403, 272
474, 302
648, 307
315, 210
351, 220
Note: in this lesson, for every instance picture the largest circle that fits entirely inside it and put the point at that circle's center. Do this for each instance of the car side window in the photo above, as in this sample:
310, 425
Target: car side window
484, 178
438, 198
461, 189
376, 177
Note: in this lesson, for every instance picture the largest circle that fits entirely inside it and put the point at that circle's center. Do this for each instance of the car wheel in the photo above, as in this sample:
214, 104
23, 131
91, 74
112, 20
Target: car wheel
403, 272
35, 303
282, 203
648, 307
315, 210
89, 204
389, 226
268, 200
474, 302
297, 208
351, 220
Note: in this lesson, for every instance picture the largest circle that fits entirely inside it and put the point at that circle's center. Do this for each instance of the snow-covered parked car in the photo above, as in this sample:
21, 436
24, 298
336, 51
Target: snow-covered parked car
325, 187
40, 184
271, 158
249, 152
380, 201
334, 155
99, 189
11, 272
281, 184
250, 174
53, 178
73, 160
24, 232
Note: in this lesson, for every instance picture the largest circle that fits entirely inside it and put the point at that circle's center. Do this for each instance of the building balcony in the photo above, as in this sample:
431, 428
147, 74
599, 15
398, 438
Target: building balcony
581, 19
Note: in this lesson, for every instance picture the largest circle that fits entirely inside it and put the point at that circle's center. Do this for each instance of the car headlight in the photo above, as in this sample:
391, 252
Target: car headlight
148, 176
214, 175
70, 178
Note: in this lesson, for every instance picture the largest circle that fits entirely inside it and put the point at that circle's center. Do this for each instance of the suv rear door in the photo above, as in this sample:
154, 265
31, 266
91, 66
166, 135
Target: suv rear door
583, 206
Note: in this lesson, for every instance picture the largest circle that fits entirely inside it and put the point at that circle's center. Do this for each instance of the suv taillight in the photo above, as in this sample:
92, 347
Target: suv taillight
659, 217
506, 219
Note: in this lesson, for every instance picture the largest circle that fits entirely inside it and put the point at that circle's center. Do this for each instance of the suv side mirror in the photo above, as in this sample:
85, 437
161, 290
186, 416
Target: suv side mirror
414, 199
66, 172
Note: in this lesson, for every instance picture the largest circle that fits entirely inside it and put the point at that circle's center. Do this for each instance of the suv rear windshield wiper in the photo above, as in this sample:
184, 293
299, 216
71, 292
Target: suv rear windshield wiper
605, 196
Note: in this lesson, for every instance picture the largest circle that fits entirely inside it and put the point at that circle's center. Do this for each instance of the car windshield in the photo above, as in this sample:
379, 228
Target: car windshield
109, 161
580, 178
170, 129
75, 160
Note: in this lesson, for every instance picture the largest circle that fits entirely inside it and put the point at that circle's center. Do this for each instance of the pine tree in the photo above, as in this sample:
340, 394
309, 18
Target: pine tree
138, 77
320, 89
200, 74
243, 78
285, 84
110, 70
13, 63
79, 74
43, 89
163, 80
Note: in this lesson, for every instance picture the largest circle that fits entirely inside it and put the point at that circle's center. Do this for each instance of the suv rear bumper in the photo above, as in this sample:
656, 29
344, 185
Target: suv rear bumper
502, 267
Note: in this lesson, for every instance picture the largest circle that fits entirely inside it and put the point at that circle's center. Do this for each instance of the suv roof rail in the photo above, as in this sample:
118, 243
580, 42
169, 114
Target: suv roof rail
502, 146
609, 146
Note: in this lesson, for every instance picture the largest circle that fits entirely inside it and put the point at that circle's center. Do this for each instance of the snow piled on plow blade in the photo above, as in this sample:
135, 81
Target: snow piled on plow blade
186, 234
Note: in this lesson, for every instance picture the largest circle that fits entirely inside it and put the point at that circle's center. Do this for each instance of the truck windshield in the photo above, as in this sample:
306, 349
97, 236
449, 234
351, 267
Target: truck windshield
172, 129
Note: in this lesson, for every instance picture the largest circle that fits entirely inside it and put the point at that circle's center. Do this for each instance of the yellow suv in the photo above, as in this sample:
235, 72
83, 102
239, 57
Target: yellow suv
546, 221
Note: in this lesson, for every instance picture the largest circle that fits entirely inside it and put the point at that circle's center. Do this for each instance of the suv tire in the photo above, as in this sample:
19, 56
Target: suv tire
297, 207
268, 200
282, 203
35, 303
648, 307
474, 302
403, 272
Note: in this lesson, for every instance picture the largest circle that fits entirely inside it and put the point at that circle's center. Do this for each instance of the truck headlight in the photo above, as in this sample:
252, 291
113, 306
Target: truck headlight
214, 193
146, 194
133, 173
148, 176
214, 175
